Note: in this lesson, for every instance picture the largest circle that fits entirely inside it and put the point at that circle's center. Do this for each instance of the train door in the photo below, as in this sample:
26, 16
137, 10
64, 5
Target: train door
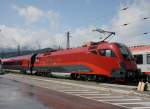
140, 60
33, 57
148, 61
0, 67
143, 63
147, 67
109, 62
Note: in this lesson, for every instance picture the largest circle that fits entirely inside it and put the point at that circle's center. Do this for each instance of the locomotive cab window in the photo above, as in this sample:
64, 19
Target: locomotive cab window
139, 58
148, 58
106, 52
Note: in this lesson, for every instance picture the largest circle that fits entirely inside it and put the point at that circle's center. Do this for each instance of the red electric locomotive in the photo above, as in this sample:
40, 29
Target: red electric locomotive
93, 60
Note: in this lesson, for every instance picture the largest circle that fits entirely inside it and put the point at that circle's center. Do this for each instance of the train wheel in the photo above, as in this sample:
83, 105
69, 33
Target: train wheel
87, 77
23, 71
49, 74
75, 76
100, 78
72, 76
44, 74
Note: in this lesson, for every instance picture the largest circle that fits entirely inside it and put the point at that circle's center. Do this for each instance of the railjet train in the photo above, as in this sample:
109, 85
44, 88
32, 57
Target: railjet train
94, 60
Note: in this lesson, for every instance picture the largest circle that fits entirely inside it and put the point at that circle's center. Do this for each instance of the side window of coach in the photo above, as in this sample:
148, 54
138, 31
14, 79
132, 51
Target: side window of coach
106, 52
139, 58
148, 58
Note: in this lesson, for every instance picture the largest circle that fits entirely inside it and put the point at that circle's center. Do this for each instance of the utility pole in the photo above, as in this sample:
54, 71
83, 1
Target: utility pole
18, 50
68, 40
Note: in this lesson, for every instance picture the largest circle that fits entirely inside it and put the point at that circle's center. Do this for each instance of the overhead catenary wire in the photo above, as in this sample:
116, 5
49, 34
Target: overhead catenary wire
126, 24
123, 9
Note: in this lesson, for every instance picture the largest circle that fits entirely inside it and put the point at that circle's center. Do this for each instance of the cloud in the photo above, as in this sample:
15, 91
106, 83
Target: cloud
79, 36
53, 18
27, 37
131, 34
30, 13
11, 37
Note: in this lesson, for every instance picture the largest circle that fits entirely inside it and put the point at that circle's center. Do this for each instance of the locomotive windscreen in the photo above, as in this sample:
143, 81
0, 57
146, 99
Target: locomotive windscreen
125, 51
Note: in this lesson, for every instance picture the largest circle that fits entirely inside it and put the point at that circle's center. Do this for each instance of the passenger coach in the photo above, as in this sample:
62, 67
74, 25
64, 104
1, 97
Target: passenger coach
142, 56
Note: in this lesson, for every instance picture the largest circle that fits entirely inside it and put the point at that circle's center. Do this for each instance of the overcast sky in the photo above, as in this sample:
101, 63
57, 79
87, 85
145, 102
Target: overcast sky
43, 23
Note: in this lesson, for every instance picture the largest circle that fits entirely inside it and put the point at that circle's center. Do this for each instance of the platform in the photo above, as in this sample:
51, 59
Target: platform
49, 93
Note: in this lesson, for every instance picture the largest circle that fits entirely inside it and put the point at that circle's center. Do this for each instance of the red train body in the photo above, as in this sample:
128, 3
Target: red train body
112, 60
